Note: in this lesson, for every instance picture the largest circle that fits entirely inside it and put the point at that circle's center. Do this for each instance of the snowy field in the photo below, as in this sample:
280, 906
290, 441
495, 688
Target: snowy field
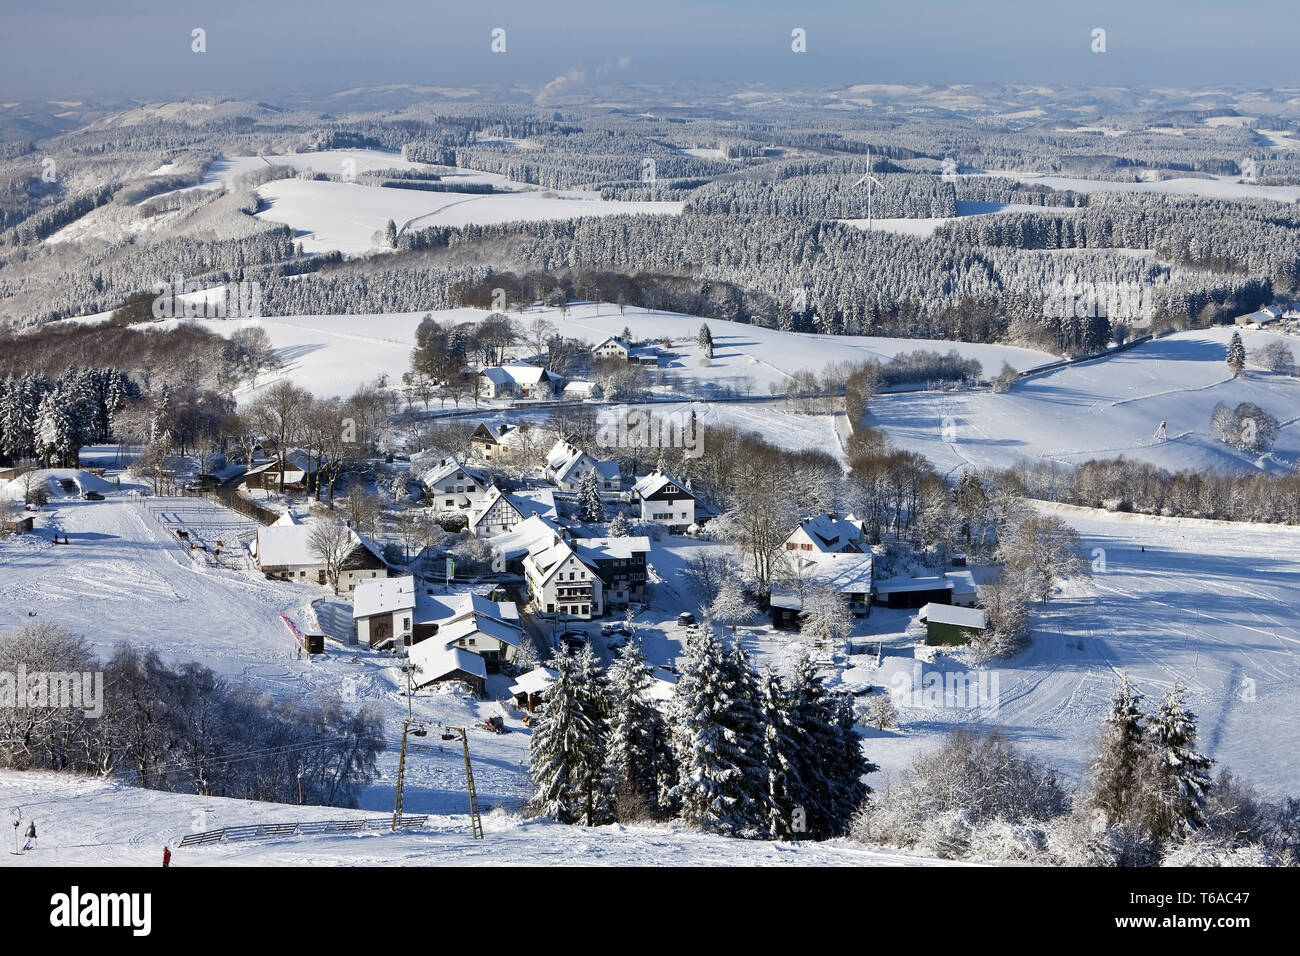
333, 354
346, 216
1104, 409
88, 822
1201, 604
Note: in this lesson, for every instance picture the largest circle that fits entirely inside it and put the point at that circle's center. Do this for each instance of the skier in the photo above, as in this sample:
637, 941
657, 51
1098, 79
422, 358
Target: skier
31, 836
167, 857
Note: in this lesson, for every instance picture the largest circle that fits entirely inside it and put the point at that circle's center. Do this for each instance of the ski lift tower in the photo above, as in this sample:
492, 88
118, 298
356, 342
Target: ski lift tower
1160, 435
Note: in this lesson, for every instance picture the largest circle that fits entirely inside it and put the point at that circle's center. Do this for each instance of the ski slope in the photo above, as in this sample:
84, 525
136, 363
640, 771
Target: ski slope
1215, 605
92, 822
1104, 409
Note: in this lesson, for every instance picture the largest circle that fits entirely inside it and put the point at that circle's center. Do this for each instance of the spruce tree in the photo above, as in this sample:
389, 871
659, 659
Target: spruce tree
717, 743
705, 340
1236, 354
636, 744
620, 527
565, 750
590, 507
1182, 780
783, 786
1118, 768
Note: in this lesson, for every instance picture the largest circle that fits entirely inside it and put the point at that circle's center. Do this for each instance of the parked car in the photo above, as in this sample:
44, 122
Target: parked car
685, 619
616, 643
92, 496
573, 639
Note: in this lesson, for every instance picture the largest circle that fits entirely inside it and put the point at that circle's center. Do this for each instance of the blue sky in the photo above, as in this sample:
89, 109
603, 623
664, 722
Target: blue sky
266, 47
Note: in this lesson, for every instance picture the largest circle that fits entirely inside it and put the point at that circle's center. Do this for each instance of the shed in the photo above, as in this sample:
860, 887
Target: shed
913, 592
945, 624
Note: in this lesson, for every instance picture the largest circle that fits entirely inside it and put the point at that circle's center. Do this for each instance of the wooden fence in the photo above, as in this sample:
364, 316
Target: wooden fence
259, 831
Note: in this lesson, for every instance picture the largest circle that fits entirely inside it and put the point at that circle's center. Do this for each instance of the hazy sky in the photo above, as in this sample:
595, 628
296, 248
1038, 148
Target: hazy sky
265, 47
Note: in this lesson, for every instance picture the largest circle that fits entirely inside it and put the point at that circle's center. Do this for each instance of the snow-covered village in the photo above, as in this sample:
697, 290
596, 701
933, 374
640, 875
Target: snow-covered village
588, 467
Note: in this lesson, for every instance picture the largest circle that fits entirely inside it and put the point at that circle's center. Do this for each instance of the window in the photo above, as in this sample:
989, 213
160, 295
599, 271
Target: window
584, 609
406, 623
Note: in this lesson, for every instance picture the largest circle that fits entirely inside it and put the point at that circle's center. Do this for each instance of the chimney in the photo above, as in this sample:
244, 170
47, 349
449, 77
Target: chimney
501, 429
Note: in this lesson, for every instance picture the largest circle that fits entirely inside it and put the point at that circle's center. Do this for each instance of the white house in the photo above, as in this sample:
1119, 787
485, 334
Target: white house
612, 348
500, 511
452, 486
284, 549
1265, 315
515, 381
665, 500
567, 466
490, 443
397, 609
560, 582
825, 534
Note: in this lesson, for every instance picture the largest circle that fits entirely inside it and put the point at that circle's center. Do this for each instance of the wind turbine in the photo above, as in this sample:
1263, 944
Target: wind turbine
869, 180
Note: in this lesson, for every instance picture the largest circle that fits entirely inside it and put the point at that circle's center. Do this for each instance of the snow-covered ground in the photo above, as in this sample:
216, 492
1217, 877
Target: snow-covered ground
1212, 604
333, 354
90, 822
346, 216
1104, 409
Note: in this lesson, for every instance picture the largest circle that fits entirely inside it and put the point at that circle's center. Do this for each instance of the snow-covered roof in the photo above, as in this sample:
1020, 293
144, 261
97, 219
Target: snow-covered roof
432, 661
288, 545
828, 533
477, 624
441, 609
383, 596
534, 681
561, 455
604, 549
655, 482
525, 536
515, 374
843, 570
445, 469
616, 340
951, 614
963, 582
580, 387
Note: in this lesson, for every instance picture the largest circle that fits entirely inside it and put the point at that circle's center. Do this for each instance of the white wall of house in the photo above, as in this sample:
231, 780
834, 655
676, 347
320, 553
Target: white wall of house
575, 590
668, 511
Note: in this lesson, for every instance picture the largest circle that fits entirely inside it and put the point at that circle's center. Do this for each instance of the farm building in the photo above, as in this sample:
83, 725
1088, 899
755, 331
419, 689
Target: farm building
612, 348
284, 549
18, 525
1264, 316
434, 664
946, 624
515, 381
913, 592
